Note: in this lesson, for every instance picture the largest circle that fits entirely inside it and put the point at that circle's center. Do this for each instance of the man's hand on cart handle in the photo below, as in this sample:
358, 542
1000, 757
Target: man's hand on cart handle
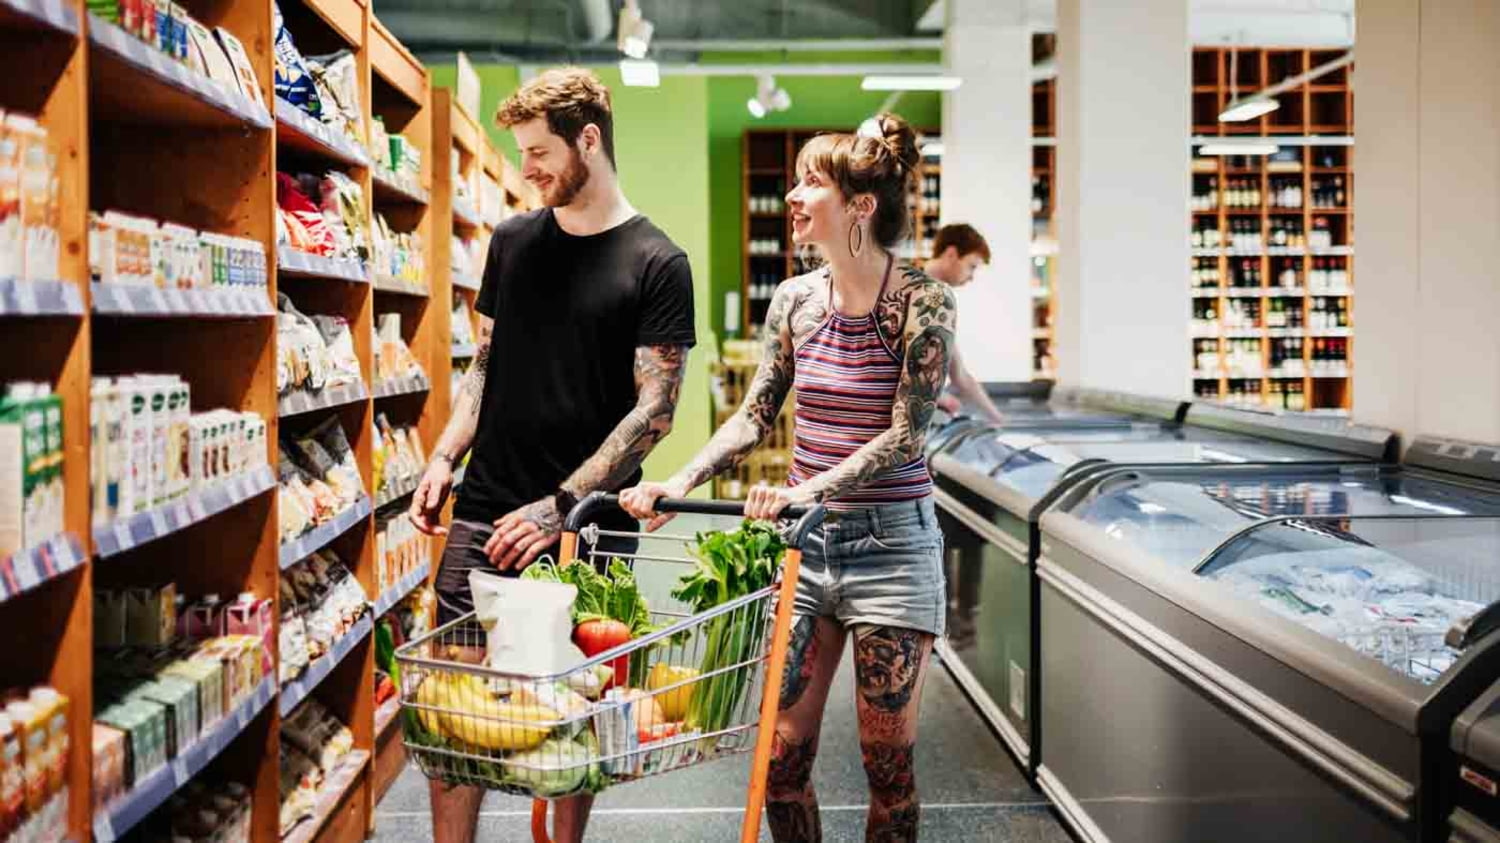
640, 502
427, 500
765, 503
524, 533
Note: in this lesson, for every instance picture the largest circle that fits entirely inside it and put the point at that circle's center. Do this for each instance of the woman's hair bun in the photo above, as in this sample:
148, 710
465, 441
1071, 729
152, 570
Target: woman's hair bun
900, 138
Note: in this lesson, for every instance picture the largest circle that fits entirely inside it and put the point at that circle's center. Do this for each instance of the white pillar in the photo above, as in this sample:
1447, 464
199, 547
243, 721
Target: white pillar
1427, 209
987, 178
1123, 185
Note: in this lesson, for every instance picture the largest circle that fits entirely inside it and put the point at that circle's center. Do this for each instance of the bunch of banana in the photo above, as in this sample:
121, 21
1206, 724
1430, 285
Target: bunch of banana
459, 706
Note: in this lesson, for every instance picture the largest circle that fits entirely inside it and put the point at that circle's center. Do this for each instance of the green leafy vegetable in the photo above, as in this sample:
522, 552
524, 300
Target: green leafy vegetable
600, 597
728, 566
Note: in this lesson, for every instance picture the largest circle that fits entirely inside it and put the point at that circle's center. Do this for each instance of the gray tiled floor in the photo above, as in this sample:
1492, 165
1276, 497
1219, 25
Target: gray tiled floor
971, 789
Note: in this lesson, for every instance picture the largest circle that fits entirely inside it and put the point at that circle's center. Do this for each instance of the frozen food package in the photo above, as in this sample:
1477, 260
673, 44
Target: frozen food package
528, 623
293, 83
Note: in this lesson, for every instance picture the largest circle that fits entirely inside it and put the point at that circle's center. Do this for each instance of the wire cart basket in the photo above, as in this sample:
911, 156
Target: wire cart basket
702, 687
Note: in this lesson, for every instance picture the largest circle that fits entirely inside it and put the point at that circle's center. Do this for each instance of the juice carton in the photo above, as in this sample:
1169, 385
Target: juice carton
178, 452
109, 619
12, 776
150, 615
248, 615
159, 391
135, 472
204, 619
12, 474
53, 501
55, 708
31, 721
12, 237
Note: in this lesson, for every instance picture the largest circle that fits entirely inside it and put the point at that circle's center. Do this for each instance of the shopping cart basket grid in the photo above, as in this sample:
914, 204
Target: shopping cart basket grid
716, 673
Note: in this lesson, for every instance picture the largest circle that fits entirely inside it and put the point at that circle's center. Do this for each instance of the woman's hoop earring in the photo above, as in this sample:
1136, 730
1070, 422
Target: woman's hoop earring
856, 245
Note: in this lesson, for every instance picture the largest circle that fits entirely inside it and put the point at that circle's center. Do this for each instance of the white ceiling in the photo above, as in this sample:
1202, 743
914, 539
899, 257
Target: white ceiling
1263, 23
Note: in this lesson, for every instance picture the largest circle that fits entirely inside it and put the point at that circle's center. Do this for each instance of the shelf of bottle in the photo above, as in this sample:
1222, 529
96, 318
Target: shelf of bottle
1271, 251
1267, 292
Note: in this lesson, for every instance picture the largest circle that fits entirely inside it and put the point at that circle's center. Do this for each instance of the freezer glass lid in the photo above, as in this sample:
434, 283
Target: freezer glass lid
1388, 588
1179, 514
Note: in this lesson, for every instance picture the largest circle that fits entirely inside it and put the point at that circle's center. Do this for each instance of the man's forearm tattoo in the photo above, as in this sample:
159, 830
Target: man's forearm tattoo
658, 380
478, 370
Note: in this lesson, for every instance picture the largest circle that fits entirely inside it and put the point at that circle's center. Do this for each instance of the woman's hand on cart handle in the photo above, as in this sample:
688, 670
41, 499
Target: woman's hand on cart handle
427, 501
640, 502
765, 503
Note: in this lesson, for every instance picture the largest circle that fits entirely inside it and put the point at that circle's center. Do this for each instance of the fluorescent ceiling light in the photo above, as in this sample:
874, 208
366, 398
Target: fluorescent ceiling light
640, 73
1230, 147
1248, 109
925, 82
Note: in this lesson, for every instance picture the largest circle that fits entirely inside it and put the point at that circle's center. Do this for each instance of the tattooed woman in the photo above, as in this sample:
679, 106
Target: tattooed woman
866, 344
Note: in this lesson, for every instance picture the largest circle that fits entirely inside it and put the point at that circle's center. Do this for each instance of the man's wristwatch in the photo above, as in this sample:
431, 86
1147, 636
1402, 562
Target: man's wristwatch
565, 501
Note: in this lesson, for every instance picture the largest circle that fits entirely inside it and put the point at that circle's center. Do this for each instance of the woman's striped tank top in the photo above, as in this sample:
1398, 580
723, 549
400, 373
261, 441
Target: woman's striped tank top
846, 379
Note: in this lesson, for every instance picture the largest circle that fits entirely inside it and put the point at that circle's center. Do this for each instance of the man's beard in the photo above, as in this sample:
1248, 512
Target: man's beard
568, 183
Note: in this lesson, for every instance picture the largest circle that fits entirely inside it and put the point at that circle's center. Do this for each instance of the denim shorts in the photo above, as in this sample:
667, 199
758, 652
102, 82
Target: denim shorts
880, 565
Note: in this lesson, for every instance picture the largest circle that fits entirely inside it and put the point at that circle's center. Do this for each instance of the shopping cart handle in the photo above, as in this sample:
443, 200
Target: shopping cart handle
807, 517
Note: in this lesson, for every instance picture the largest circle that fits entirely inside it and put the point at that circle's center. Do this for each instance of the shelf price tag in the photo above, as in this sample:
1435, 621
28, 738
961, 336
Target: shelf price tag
25, 294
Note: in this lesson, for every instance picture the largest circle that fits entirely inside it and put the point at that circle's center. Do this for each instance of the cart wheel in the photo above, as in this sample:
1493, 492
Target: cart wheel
539, 821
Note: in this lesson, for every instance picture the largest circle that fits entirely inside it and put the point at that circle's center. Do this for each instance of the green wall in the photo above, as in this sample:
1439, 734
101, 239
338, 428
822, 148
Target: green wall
661, 144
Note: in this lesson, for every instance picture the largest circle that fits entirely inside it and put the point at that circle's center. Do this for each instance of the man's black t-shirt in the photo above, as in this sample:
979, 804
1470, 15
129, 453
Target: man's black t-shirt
569, 313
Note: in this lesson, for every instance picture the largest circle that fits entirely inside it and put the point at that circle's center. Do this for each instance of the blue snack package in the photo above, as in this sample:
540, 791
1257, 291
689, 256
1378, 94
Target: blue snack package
293, 83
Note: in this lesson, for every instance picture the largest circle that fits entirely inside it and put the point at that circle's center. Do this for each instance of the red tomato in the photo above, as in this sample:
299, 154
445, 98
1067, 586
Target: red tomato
597, 636
658, 732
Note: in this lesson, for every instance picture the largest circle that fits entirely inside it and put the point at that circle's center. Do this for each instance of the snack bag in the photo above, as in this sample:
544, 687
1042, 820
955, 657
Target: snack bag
528, 624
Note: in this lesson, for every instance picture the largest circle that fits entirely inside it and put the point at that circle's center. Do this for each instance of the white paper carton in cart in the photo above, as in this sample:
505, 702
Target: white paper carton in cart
528, 624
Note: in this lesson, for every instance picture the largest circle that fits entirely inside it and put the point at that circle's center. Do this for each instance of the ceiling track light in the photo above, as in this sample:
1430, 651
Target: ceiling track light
768, 97
1265, 101
634, 31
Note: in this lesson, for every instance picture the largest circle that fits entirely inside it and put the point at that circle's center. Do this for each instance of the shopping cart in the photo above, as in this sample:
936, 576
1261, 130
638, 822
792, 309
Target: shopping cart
702, 687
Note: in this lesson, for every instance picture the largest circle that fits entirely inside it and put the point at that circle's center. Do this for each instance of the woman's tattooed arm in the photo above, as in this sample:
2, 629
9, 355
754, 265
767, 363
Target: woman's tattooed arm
931, 314
768, 390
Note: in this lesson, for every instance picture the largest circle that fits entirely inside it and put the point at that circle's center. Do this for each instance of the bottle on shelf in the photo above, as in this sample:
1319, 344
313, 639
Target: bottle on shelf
1321, 236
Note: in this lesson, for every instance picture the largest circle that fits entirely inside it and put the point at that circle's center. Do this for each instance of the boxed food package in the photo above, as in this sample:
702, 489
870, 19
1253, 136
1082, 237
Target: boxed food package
208, 676
244, 71
54, 706
109, 764
135, 475
150, 615
39, 197
249, 615
179, 699
109, 619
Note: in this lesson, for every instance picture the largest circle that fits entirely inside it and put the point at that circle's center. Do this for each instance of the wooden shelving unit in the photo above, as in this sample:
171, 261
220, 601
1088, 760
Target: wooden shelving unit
1043, 227
1273, 237
768, 171
118, 118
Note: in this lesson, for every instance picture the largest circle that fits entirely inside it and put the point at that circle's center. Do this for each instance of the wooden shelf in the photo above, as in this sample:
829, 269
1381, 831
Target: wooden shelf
401, 288
386, 497
464, 215
296, 129
137, 83
398, 592
321, 536
291, 261
22, 571
389, 187
134, 531
211, 303
38, 15
39, 298
296, 690
466, 282
158, 786
408, 385
339, 787
300, 401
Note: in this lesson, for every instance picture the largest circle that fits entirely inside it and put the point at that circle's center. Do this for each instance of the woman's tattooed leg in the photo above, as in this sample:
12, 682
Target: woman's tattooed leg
812, 659
890, 664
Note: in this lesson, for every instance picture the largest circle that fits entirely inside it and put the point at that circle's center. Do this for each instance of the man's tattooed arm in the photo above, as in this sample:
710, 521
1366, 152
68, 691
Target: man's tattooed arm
458, 435
931, 315
658, 383
753, 421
